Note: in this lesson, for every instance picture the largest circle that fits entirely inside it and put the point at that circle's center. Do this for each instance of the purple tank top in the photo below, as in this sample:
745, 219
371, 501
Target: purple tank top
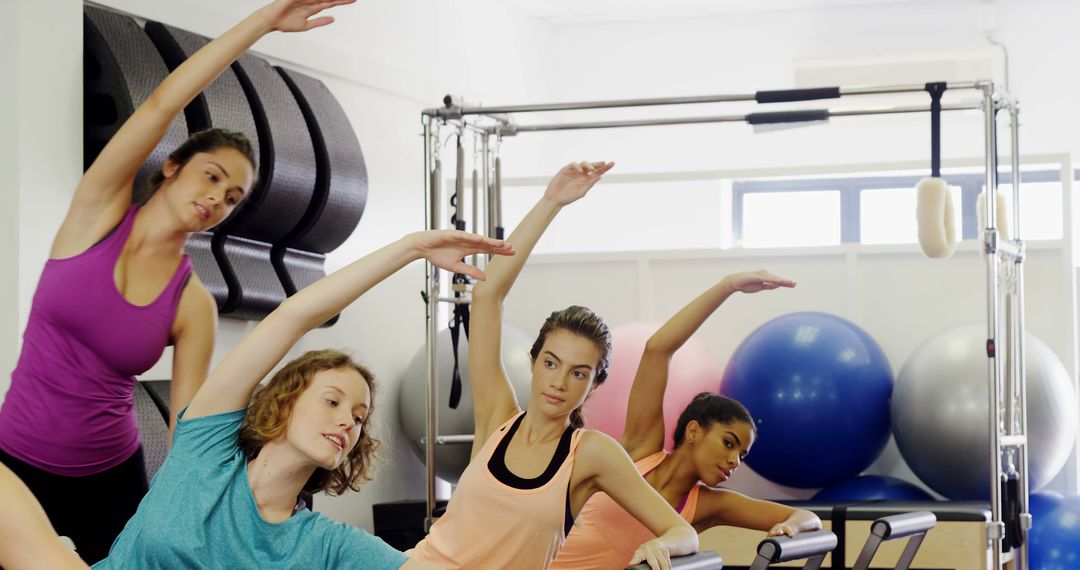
70, 409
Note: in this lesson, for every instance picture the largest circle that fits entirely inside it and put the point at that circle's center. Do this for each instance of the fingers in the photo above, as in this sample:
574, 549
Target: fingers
471, 271
319, 22
779, 281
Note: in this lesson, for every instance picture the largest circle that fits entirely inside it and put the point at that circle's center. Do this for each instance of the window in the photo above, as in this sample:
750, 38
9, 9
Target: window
887, 215
773, 219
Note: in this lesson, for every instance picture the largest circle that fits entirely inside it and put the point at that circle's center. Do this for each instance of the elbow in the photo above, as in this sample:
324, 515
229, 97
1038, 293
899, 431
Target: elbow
656, 346
486, 293
687, 542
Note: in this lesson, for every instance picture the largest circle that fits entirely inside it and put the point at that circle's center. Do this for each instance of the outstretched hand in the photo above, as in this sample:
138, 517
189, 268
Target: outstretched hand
447, 248
296, 15
572, 181
754, 281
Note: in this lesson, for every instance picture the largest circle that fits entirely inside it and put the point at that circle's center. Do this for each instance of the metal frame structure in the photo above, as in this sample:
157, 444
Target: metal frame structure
1004, 268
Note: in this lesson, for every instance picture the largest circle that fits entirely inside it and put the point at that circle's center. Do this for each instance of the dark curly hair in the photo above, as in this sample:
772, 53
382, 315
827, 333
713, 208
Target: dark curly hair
271, 407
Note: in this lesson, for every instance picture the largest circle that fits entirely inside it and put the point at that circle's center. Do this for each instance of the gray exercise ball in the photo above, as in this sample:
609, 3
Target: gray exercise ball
451, 459
940, 413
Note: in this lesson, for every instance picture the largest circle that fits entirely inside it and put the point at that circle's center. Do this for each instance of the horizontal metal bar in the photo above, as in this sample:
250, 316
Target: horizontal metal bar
665, 101
731, 118
1012, 440
454, 300
449, 439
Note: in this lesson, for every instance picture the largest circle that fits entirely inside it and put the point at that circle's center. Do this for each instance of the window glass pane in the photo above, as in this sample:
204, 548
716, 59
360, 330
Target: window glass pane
777, 219
887, 215
630, 216
1040, 209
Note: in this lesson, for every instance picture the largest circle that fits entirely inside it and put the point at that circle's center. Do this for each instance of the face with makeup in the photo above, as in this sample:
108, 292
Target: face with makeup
204, 190
563, 373
719, 449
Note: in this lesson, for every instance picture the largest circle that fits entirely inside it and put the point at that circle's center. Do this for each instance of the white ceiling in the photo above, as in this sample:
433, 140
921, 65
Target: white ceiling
599, 11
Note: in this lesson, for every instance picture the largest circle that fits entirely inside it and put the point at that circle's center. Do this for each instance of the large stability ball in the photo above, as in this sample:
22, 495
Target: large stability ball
451, 459
818, 387
940, 418
692, 370
873, 488
1054, 538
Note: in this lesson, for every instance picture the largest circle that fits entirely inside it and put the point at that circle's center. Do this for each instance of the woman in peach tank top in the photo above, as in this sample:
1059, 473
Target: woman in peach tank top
712, 437
531, 472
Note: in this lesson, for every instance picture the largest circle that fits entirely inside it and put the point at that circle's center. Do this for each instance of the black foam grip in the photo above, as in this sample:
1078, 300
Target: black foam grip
341, 179
199, 248
260, 290
773, 117
789, 95
121, 69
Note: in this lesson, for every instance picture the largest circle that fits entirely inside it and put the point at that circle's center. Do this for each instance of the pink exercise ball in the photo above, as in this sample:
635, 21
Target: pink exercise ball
692, 370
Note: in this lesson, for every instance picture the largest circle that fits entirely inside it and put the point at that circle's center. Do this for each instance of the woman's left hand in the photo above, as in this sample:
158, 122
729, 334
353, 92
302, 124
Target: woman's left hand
447, 248
654, 553
296, 15
782, 529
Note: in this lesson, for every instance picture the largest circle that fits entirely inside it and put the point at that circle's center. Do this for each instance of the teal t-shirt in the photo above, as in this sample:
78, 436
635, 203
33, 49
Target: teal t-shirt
200, 513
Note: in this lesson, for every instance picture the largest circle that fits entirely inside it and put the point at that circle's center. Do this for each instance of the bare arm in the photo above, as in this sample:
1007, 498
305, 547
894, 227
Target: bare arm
727, 507
493, 397
644, 431
104, 192
413, 564
193, 346
610, 470
230, 385
27, 540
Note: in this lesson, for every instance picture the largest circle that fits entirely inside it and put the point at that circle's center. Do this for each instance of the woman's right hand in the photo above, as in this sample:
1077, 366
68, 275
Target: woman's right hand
572, 181
295, 15
754, 281
446, 249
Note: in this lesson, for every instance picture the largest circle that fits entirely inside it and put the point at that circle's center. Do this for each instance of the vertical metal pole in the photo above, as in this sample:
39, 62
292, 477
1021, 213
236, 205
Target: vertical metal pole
498, 194
1018, 351
475, 200
995, 529
489, 219
431, 295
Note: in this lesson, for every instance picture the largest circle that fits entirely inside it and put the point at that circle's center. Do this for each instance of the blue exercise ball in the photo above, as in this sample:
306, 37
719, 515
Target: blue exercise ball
818, 387
1054, 538
873, 488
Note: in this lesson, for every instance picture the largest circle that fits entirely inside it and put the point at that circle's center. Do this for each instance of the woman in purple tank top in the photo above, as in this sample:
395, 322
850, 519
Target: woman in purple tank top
117, 289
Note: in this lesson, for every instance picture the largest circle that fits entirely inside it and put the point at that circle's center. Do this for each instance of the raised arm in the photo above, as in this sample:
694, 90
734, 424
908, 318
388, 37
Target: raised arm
27, 540
104, 192
231, 383
607, 468
726, 507
493, 398
644, 430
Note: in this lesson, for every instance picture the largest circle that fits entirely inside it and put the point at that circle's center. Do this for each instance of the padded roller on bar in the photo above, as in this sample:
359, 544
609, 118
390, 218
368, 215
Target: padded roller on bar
121, 69
812, 546
704, 560
789, 95
899, 526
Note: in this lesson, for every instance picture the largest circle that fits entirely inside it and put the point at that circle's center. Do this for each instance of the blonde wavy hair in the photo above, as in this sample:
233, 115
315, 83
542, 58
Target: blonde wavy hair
271, 407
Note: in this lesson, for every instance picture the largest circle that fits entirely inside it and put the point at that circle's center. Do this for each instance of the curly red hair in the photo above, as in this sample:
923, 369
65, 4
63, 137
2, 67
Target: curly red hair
271, 407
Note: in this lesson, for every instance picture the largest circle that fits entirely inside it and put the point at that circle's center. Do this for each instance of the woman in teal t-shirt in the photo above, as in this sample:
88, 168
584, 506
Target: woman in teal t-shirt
226, 495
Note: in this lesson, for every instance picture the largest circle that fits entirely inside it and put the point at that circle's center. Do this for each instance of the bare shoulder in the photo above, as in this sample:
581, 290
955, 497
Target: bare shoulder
597, 450
197, 307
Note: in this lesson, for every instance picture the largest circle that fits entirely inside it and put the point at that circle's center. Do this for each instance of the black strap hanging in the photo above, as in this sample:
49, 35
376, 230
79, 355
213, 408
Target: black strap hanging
936, 90
460, 318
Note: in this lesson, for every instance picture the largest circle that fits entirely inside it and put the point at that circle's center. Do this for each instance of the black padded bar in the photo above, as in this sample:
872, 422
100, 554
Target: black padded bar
121, 69
802, 545
899, 526
704, 560
341, 176
774, 117
789, 95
